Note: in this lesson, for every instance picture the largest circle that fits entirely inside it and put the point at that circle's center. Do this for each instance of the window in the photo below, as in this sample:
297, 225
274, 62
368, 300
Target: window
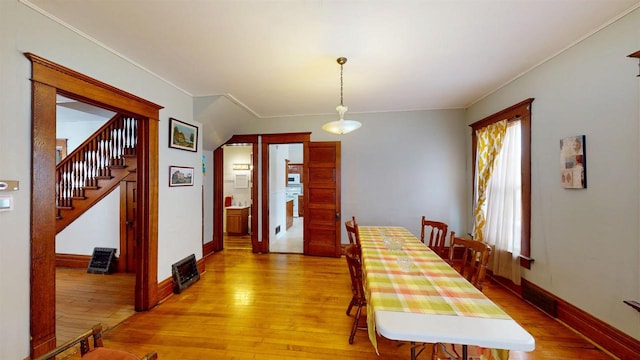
521, 113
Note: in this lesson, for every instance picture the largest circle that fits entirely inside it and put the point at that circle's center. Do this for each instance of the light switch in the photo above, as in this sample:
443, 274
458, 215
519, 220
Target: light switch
6, 203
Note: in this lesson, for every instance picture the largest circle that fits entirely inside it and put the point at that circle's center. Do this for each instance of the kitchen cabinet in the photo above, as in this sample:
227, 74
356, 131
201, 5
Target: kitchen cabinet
289, 213
237, 220
300, 205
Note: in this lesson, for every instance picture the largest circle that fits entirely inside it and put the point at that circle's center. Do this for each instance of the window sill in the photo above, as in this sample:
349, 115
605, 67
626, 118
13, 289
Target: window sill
526, 262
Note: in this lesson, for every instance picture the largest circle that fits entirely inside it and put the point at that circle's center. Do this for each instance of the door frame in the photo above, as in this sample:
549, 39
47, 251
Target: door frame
49, 79
259, 142
218, 193
269, 139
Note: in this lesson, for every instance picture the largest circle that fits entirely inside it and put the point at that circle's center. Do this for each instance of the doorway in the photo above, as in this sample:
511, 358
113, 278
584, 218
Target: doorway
49, 80
286, 211
238, 196
321, 189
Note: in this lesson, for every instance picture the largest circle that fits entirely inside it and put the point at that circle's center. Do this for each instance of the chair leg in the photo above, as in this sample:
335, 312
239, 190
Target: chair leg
350, 306
356, 322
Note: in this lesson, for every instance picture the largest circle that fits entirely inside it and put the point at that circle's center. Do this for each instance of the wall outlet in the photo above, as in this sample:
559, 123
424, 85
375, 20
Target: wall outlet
277, 229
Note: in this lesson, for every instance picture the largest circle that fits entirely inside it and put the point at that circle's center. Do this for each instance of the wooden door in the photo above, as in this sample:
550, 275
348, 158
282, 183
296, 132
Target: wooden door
129, 241
322, 199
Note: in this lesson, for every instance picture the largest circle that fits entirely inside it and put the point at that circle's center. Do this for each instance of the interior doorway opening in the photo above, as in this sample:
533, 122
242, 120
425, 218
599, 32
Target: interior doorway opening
238, 196
108, 224
286, 198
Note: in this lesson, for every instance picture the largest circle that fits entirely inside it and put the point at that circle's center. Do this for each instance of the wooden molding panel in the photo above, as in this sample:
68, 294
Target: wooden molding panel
208, 248
603, 334
165, 287
73, 261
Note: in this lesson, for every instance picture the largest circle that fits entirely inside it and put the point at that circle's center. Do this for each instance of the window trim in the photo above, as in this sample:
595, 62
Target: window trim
522, 112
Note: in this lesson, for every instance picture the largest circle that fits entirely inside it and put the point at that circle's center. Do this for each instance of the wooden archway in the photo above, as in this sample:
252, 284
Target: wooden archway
48, 80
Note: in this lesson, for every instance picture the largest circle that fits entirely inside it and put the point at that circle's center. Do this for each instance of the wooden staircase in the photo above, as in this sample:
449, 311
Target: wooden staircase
95, 168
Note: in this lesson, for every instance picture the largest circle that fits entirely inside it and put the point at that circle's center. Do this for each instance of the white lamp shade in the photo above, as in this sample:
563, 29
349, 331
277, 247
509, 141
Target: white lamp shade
341, 126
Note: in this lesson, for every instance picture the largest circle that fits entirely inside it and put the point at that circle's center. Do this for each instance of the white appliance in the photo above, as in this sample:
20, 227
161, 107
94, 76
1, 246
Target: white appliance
292, 194
293, 179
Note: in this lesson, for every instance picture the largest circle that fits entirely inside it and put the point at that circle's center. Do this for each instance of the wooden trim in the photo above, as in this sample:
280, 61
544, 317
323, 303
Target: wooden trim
255, 244
43, 220
71, 82
73, 261
208, 248
48, 79
603, 334
264, 248
165, 287
218, 193
520, 111
268, 139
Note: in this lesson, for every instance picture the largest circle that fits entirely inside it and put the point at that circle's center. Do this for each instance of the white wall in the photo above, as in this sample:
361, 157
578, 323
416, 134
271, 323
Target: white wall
77, 126
237, 155
585, 242
396, 167
277, 190
180, 228
98, 227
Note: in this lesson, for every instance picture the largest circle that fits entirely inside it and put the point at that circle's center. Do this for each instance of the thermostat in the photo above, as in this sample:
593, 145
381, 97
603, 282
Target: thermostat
6, 203
9, 185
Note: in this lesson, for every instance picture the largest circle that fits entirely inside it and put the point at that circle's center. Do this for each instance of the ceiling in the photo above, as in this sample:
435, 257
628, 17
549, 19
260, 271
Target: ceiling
278, 58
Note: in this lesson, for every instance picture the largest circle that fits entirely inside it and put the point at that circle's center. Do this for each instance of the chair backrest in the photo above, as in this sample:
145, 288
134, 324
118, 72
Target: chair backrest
352, 231
354, 262
436, 233
83, 341
475, 259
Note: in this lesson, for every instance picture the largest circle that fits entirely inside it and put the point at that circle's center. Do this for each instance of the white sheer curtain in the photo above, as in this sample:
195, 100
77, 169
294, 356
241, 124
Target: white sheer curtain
504, 207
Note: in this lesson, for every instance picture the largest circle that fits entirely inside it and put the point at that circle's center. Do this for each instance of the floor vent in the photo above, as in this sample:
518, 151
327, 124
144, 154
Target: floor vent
540, 299
184, 272
102, 261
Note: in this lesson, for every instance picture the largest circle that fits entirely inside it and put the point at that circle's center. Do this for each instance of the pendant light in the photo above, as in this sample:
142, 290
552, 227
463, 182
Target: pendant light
341, 126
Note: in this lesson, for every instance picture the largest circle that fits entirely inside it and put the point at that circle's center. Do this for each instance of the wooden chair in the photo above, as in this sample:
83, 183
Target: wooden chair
352, 231
475, 259
95, 351
437, 232
353, 255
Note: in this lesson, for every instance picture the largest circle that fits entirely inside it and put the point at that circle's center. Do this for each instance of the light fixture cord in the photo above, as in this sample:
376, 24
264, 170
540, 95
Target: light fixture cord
341, 85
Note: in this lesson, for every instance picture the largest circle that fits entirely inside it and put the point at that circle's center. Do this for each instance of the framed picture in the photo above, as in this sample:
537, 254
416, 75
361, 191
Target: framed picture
573, 162
180, 176
182, 135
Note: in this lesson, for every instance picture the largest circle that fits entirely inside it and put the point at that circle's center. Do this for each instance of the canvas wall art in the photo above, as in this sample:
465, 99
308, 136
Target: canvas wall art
573, 162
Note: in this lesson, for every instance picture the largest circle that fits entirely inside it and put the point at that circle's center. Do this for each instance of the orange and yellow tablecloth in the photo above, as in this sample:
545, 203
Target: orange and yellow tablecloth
429, 286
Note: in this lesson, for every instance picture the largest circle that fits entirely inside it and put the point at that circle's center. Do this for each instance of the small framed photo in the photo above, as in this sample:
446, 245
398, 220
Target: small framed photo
180, 176
183, 136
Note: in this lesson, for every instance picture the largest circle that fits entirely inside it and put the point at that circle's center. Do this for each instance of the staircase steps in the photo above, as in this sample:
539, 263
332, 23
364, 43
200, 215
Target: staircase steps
95, 168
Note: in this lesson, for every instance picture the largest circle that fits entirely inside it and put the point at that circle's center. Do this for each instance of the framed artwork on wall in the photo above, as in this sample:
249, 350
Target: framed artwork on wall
573, 162
183, 136
180, 176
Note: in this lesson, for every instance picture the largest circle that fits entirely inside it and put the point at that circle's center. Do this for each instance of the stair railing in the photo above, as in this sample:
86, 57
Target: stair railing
105, 149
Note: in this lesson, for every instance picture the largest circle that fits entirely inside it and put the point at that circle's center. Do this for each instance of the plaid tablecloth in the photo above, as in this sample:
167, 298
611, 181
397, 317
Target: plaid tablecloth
429, 286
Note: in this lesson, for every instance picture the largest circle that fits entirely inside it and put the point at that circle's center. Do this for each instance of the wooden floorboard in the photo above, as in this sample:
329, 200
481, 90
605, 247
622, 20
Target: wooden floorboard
237, 242
283, 306
83, 300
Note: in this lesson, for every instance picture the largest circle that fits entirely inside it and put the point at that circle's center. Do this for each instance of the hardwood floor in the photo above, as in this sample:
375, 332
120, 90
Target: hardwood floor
241, 242
283, 306
83, 300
